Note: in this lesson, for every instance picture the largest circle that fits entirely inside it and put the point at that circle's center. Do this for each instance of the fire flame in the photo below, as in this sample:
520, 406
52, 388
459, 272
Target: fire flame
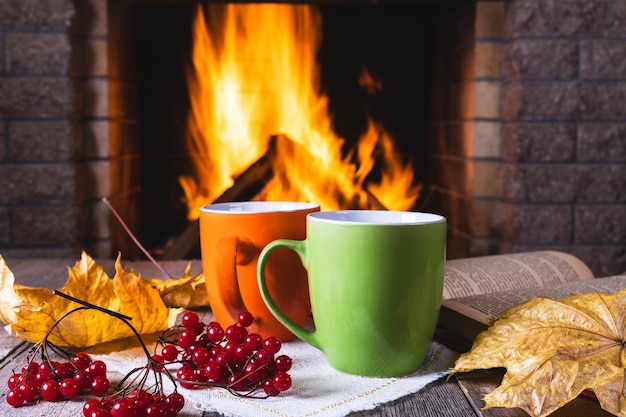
255, 77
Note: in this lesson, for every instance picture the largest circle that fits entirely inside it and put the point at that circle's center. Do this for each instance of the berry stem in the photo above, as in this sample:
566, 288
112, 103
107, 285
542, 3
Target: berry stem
125, 319
90, 305
152, 364
44, 343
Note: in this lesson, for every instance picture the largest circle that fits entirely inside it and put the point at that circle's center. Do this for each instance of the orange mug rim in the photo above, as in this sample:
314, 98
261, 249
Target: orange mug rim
256, 207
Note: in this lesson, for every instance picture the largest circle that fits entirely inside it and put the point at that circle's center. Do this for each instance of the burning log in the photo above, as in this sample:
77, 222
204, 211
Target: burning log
373, 202
289, 148
246, 186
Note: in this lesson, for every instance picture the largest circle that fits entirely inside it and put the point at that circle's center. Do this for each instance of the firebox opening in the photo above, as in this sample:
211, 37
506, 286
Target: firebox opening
392, 44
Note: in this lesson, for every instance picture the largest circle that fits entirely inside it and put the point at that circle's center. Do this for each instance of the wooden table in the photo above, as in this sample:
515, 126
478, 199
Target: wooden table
442, 398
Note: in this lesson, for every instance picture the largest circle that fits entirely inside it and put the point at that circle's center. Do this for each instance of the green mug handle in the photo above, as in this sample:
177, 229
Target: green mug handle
300, 247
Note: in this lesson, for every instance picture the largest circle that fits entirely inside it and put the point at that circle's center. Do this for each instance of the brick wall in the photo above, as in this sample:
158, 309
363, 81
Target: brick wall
67, 127
465, 128
529, 138
40, 191
563, 178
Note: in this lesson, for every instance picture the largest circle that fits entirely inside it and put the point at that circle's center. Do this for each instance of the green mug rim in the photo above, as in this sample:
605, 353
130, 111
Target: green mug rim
376, 217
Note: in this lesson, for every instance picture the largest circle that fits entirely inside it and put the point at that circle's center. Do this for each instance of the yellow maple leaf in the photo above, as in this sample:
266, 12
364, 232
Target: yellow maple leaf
31, 312
553, 350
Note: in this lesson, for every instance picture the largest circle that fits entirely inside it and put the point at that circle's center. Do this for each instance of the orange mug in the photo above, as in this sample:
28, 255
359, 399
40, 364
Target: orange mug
231, 237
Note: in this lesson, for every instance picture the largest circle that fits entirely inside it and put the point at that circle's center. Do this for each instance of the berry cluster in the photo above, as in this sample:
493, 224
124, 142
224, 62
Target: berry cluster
54, 380
134, 396
44, 378
136, 403
232, 358
208, 355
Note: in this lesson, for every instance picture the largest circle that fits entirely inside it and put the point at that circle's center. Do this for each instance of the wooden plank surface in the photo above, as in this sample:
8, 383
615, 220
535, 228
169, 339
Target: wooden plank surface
478, 383
438, 399
52, 273
441, 399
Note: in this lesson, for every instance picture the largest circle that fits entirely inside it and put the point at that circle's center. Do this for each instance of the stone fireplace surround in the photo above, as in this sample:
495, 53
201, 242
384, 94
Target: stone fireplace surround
528, 128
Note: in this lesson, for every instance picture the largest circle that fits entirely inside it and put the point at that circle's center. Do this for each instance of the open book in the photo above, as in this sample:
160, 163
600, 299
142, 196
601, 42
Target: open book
477, 290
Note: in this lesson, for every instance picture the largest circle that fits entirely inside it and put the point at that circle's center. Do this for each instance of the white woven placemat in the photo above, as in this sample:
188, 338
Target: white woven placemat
317, 389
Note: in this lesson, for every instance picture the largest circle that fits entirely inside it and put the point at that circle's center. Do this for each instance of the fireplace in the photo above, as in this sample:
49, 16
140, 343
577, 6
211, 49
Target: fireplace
515, 129
367, 74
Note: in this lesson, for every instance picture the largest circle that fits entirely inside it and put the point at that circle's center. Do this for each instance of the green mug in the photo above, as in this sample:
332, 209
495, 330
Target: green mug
375, 284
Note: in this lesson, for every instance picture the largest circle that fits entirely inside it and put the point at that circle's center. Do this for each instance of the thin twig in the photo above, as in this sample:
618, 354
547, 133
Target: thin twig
132, 236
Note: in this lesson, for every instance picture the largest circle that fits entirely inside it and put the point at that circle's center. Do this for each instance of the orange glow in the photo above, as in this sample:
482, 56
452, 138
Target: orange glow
255, 75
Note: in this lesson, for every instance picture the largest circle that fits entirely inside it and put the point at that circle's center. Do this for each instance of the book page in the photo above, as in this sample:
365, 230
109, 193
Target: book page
486, 274
483, 308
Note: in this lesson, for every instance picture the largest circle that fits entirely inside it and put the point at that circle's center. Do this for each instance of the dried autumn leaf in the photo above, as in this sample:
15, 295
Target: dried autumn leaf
30, 312
9, 299
185, 292
553, 350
